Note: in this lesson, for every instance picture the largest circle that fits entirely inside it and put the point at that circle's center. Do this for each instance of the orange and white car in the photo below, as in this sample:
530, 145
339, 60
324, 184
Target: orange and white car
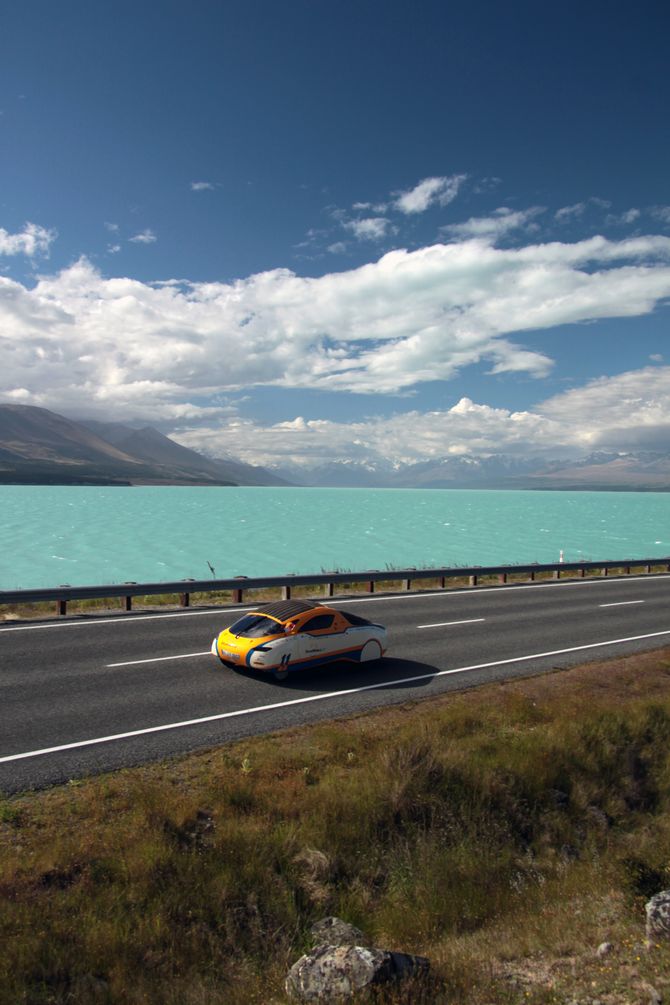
294, 634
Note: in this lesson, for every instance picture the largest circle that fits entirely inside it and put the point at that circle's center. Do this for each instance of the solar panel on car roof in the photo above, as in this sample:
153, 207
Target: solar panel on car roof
283, 609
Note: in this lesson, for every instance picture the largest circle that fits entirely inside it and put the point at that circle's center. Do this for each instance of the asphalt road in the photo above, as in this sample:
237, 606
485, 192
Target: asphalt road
92, 694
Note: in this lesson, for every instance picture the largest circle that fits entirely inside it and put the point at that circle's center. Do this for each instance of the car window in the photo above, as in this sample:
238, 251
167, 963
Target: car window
255, 626
354, 619
319, 621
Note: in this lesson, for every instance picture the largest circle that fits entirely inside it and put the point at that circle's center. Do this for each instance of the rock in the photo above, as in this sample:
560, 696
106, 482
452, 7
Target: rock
335, 973
604, 949
335, 932
658, 916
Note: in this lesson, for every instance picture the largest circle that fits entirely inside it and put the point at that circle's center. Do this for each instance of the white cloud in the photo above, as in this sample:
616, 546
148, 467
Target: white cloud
661, 213
202, 186
501, 222
442, 190
573, 212
626, 411
113, 249
623, 219
112, 227
373, 228
32, 240
144, 237
78, 339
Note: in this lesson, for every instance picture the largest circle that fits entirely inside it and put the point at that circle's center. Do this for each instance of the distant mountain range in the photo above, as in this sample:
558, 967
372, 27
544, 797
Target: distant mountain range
41, 447
641, 471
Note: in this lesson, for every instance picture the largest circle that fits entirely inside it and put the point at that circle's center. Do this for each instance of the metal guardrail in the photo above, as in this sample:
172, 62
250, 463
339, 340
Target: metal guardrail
239, 585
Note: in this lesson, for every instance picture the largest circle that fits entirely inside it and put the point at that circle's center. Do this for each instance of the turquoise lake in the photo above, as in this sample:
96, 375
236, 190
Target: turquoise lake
52, 535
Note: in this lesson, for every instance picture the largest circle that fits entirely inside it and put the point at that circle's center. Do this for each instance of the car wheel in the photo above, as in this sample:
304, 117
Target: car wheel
371, 651
280, 674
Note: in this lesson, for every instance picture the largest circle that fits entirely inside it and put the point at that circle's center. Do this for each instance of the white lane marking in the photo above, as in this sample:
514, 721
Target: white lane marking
447, 624
347, 601
158, 659
622, 603
321, 697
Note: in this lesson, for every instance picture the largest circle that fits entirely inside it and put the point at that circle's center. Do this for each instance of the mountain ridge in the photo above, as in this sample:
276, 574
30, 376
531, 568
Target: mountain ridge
38, 446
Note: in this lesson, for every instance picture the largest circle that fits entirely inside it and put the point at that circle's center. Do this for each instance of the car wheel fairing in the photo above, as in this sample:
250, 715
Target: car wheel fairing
372, 650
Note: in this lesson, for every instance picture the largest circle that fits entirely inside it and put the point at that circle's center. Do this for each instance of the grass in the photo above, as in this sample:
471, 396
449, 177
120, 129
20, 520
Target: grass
503, 832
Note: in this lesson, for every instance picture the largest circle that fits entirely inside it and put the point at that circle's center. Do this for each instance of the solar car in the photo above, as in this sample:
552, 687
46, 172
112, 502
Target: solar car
296, 634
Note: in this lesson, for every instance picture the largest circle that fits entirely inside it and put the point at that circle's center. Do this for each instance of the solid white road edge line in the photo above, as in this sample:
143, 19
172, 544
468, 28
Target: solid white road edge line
320, 697
446, 624
622, 603
464, 592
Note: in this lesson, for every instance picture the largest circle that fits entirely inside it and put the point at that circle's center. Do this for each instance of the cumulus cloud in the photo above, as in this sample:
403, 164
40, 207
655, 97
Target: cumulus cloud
144, 237
627, 411
442, 190
32, 240
79, 339
202, 186
631, 409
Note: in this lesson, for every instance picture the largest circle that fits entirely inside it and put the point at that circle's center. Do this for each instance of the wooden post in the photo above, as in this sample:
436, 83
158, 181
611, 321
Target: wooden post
184, 599
443, 581
61, 608
371, 586
473, 580
129, 603
329, 589
502, 577
286, 592
408, 584
238, 594
532, 575
605, 571
557, 573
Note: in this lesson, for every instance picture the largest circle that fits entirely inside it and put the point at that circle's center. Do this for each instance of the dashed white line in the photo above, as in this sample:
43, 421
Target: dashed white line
622, 603
447, 624
321, 697
157, 659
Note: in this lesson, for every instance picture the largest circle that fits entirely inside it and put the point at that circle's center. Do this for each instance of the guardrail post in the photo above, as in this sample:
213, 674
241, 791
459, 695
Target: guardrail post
443, 582
286, 592
238, 592
407, 584
605, 571
329, 589
582, 572
184, 599
647, 568
557, 573
532, 575
502, 577
128, 599
371, 586
473, 580
61, 608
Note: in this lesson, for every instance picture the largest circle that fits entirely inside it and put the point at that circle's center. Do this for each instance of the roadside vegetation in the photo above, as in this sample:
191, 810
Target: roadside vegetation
504, 832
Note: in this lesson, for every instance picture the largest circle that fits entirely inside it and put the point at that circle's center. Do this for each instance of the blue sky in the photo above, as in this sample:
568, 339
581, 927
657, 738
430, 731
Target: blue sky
305, 232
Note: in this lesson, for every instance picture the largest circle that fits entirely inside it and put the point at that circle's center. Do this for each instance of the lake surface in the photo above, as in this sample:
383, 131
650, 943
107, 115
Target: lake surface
52, 535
